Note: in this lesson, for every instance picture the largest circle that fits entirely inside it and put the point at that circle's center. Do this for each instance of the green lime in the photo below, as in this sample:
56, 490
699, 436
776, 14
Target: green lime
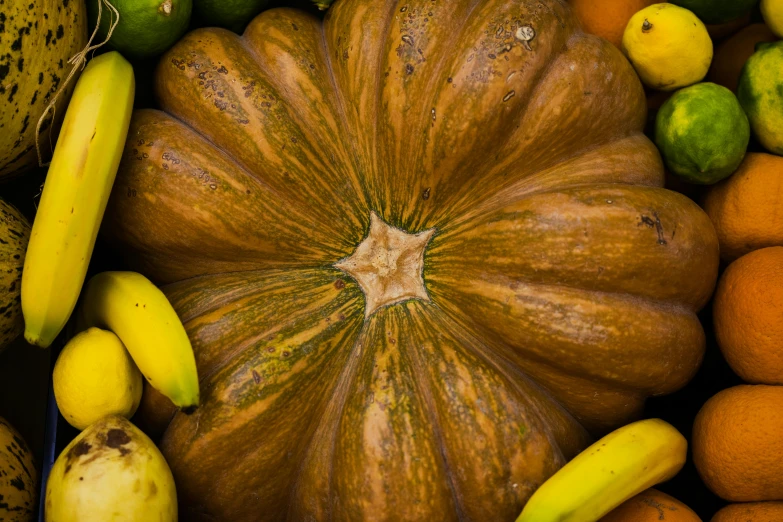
146, 27
760, 92
231, 14
702, 133
717, 11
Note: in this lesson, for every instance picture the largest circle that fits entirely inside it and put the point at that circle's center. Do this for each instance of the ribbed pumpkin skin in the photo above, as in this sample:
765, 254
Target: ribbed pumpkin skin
14, 236
563, 280
18, 477
37, 39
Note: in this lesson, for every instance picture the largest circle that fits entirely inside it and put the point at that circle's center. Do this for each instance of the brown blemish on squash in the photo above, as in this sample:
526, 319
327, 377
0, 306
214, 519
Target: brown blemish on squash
117, 438
654, 223
646, 220
153, 489
81, 448
659, 229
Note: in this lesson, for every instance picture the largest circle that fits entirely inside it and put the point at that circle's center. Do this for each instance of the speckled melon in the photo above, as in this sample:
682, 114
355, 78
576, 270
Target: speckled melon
37, 38
14, 235
18, 476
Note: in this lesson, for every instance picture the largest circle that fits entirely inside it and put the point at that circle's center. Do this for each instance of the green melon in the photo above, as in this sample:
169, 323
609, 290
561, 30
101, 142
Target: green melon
146, 27
717, 11
231, 14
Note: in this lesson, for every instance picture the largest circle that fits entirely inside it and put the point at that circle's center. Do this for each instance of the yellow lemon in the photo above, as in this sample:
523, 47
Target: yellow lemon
94, 376
668, 46
772, 11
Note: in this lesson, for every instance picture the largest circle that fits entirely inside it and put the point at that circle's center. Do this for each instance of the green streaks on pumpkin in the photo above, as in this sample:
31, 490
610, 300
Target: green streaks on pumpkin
289, 47
602, 238
286, 317
212, 82
278, 369
471, 406
241, 222
387, 458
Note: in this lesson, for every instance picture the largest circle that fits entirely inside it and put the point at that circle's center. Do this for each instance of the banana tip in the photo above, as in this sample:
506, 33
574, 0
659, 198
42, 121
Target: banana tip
36, 339
188, 410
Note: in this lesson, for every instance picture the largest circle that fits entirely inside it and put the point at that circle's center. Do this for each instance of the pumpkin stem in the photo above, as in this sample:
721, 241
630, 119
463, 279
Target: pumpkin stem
388, 265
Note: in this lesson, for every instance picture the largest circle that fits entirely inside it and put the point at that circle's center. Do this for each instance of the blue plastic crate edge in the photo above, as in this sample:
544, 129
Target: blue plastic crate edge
50, 448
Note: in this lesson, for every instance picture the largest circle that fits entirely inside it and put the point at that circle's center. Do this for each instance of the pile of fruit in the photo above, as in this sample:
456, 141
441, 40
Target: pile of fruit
408, 260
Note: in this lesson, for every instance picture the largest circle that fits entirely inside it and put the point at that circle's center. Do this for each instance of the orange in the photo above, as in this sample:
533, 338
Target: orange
751, 512
747, 208
608, 18
731, 55
737, 444
651, 506
748, 316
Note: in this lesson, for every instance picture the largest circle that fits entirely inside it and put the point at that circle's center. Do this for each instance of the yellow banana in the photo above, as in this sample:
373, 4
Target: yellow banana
75, 194
620, 465
139, 314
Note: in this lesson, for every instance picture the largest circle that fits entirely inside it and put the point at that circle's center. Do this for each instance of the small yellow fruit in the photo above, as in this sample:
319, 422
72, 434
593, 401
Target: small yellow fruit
772, 11
94, 377
668, 46
111, 472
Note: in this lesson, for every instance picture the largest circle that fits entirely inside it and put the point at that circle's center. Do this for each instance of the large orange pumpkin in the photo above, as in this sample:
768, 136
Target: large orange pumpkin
422, 252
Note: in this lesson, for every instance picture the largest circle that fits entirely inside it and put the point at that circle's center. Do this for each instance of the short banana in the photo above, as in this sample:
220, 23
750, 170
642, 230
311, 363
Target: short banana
617, 467
139, 314
75, 194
